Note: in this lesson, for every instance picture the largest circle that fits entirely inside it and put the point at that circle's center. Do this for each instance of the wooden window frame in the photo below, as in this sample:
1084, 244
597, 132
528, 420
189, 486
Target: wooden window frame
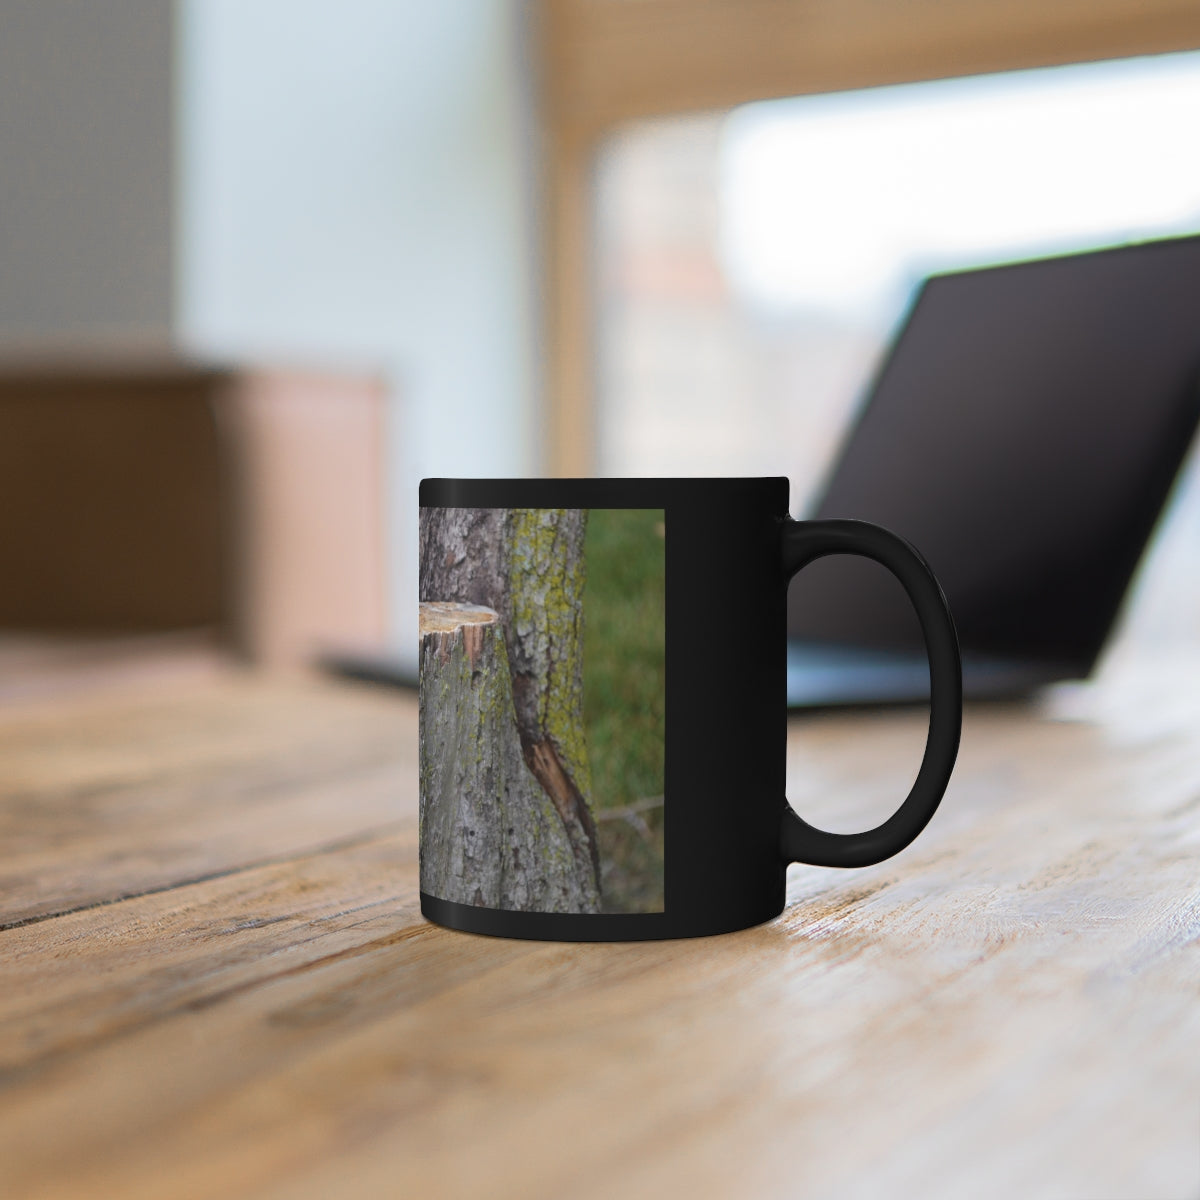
603, 63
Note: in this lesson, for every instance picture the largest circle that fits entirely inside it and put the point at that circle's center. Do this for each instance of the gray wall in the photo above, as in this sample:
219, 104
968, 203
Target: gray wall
86, 173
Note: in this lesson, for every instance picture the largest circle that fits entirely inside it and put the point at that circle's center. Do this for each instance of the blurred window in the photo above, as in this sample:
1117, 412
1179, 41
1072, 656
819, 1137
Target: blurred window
752, 265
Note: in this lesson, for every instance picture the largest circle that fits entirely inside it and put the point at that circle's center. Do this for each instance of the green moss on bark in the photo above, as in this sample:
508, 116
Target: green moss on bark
547, 573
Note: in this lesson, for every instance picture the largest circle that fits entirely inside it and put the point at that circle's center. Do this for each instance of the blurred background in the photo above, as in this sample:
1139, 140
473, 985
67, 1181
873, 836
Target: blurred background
265, 265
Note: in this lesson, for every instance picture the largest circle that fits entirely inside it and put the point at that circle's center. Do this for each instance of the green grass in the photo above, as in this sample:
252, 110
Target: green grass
624, 694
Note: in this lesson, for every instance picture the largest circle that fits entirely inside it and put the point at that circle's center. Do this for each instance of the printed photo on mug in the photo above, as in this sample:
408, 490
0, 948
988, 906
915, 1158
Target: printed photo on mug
543, 708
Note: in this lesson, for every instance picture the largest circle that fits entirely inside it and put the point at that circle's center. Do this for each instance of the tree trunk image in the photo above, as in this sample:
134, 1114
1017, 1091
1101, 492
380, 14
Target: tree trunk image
489, 834
502, 655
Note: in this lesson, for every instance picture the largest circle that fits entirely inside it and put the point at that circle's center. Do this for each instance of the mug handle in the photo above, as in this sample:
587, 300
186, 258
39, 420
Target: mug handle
802, 543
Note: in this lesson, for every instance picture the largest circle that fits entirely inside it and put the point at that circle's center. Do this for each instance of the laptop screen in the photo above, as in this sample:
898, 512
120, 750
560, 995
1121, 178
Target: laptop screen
1023, 433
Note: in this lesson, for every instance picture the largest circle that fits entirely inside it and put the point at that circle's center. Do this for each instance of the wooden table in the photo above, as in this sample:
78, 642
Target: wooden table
216, 981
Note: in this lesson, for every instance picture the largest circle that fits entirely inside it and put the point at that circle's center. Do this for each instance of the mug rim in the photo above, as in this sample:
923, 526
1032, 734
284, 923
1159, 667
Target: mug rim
637, 491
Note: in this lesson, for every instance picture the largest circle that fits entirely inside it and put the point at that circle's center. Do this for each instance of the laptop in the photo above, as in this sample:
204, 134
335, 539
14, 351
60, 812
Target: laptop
1023, 432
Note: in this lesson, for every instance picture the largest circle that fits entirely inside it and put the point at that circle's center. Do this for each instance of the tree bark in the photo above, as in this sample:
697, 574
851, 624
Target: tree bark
528, 565
490, 834
544, 629
463, 556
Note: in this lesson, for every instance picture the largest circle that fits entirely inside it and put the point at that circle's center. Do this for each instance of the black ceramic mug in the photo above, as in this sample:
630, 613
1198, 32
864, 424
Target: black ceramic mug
603, 720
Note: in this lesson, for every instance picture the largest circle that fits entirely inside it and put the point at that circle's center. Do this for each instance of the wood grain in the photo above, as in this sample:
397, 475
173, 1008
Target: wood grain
228, 775
1009, 1008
